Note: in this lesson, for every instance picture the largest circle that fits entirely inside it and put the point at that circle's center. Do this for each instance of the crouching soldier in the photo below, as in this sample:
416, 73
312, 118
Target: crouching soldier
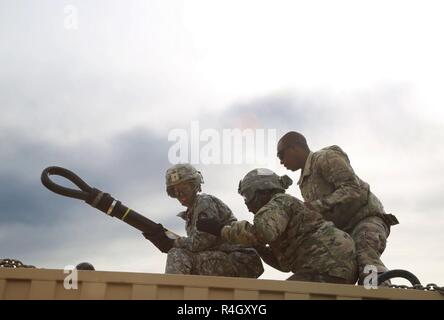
330, 186
288, 235
201, 253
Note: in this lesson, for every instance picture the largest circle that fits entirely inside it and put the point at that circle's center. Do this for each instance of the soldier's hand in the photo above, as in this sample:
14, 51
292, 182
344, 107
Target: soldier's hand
153, 230
209, 225
158, 237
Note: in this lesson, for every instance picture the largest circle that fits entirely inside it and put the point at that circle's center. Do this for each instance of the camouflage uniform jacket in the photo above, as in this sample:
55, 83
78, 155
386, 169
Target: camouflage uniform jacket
329, 184
298, 238
196, 241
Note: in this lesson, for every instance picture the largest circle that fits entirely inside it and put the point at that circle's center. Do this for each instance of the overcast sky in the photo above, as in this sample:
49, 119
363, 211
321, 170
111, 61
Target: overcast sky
97, 86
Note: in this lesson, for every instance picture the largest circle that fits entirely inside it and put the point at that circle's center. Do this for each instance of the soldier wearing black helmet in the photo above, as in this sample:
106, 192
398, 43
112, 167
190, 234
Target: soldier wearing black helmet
288, 235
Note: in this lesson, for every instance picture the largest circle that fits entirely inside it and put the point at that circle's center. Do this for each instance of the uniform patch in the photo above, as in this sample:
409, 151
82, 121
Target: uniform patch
175, 176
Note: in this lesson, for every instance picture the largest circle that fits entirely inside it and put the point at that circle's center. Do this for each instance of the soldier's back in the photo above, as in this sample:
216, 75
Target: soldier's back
329, 170
312, 244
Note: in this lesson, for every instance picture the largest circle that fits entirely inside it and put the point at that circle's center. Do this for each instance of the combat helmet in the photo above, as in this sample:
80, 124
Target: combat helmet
262, 179
180, 173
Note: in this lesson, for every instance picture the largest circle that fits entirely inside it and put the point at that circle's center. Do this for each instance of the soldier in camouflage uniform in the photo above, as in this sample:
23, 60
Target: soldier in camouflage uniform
329, 185
288, 235
201, 253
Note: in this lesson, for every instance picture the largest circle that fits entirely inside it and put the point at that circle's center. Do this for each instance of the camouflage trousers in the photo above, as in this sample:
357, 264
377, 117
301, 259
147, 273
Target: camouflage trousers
245, 263
370, 236
328, 257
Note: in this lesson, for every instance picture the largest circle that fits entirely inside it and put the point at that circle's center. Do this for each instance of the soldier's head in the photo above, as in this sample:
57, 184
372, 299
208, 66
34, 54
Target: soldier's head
293, 150
183, 182
259, 185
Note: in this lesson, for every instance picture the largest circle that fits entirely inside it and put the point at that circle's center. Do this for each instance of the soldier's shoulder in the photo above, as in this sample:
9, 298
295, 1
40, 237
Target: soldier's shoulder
209, 198
205, 201
204, 197
282, 200
282, 196
329, 152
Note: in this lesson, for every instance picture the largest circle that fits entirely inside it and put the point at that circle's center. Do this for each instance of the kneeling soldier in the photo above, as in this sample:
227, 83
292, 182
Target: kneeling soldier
288, 235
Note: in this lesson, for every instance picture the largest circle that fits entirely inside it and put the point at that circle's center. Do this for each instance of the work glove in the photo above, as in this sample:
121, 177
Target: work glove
158, 237
209, 225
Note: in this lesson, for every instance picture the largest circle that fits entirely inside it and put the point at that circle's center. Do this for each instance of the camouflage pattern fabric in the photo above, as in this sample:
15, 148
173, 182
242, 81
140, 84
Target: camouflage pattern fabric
298, 240
203, 253
370, 237
329, 184
239, 263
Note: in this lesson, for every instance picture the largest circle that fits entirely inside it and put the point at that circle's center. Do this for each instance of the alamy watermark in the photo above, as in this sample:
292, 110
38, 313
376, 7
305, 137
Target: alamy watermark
371, 280
71, 280
225, 146
71, 17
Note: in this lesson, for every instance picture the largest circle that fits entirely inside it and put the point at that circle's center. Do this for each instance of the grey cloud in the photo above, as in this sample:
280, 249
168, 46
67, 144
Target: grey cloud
376, 125
276, 111
117, 64
383, 114
22, 200
132, 161
45, 229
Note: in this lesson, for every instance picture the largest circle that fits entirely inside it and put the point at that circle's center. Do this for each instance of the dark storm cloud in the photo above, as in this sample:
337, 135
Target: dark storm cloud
48, 230
377, 124
381, 115
24, 200
274, 111
133, 160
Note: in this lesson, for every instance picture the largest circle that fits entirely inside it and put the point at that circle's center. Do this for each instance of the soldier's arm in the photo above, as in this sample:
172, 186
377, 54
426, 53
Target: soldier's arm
240, 232
244, 233
270, 223
197, 240
337, 171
